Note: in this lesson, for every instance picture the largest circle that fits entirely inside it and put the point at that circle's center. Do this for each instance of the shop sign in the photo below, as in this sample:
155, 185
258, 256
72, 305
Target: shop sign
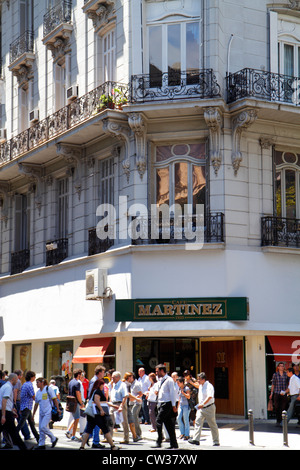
229, 308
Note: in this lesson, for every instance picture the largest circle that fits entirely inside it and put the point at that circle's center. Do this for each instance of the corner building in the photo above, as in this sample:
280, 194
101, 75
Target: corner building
135, 103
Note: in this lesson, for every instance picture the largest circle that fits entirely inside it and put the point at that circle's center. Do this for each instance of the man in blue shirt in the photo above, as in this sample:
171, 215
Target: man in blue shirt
26, 401
118, 397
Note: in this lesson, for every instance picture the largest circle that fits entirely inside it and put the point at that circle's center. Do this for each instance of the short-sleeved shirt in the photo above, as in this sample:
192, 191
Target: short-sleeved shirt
6, 391
183, 400
118, 391
18, 388
74, 386
27, 394
44, 399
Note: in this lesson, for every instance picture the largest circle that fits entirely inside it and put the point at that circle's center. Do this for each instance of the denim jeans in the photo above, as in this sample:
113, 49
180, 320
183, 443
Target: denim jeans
183, 420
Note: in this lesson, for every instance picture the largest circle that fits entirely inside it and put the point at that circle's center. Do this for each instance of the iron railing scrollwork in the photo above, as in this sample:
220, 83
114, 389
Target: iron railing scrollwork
77, 111
59, 14
20, 260
263, 85
96, 245
170, 232
174, 85
23, 44
56, 251
280, 231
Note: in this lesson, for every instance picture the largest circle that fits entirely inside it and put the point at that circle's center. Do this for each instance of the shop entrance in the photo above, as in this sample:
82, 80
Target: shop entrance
179, 354
223, 363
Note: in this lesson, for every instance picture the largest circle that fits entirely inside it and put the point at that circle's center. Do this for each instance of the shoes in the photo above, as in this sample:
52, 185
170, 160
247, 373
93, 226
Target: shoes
192, 441
181, 436
115, 448
124, 442
186, 438
54, 443
98, 446
215, 445
68, 434
74, 438
40, 448
175, 447
156, 446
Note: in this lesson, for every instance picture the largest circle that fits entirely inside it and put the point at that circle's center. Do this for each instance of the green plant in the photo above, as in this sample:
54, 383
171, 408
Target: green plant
106, 101
119, 97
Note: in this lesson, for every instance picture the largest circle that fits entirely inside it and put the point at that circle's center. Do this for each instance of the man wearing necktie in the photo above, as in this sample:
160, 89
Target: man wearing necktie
166, 405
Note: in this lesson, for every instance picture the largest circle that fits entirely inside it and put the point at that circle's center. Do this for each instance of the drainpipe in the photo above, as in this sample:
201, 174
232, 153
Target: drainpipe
228, 52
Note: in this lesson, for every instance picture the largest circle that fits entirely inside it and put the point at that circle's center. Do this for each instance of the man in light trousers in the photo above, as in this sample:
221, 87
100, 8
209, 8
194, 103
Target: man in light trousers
206, 411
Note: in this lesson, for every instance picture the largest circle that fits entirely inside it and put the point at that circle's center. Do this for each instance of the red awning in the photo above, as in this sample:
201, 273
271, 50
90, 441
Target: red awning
285, 348
91, 350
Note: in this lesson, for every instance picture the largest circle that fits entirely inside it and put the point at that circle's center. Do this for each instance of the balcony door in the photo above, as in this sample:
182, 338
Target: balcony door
22, 222
287, 184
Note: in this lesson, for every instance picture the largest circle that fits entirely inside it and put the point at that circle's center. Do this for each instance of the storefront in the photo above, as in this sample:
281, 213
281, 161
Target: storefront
221, 357
94, 351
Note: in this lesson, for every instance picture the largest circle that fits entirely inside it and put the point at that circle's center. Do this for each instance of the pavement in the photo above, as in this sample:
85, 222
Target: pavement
234, 435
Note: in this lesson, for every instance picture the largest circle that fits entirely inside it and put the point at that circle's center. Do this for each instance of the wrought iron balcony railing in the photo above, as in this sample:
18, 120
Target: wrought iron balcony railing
172, 233
174, 85
96, 245
20, 260
76, 112
56, 251
263, 85
59, 14
23, 44
280, 231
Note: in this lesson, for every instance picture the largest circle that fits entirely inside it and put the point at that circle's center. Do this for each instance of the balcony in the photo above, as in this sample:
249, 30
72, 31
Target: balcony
197, 84
21, 52
56, 251
265, 86
78, 111
280, 232
96, 245
20, 260
58, 22
171, 233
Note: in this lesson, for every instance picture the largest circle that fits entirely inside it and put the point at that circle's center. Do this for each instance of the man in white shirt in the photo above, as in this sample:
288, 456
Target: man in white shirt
166, 406
294, 391
8, 412
206, 410
145, 384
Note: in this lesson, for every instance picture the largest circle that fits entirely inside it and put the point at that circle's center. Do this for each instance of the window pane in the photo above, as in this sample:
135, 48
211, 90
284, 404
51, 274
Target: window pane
192, 52
288, 60
278, 194
174, 54
181, 184
155, 56
199, 186
162, 186
290, 193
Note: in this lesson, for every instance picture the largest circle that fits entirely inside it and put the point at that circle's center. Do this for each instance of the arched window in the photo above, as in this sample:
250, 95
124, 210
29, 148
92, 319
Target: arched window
287, 184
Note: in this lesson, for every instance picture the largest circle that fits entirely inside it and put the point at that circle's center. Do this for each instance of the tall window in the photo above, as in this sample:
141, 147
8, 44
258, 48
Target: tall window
174, 48
109, 56
181, 175
287, 184
60, 86
106, 195
22, 222
63, 207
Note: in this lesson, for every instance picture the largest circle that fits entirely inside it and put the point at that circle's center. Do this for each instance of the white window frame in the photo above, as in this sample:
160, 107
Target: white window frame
282, 169
109, 56
63, 208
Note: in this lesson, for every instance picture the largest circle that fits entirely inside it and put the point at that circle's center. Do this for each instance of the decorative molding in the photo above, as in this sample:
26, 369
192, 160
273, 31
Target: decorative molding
61, 46
139, 127
266, 143
35, 174
72, 155
122, 132
102, 15
239, 124
214, 121
294, 5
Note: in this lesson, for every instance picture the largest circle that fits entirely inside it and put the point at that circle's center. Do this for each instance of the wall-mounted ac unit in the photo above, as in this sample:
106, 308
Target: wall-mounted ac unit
2, 135
95, 284
34, 115
72, 92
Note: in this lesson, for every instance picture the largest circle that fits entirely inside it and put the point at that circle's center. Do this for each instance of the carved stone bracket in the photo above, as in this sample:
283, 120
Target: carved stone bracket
239, 124
34, 172
4, 192
213, 119
122, 132
73, 156
102, 15
266, 143
294, 4
61, 46
138, 126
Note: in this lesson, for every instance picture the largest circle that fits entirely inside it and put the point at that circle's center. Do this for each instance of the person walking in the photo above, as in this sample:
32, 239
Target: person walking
280, 382
17, 400
135, 404
206, 410
166, 405
119, 396
145, 384
99, 374
75, 391
294, 392
151, 396
8, 412
43, 399
27, 398
183, 409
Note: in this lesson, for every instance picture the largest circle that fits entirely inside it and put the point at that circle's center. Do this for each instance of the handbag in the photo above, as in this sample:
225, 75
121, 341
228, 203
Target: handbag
55, 416
71, 404
90, 409
270, 405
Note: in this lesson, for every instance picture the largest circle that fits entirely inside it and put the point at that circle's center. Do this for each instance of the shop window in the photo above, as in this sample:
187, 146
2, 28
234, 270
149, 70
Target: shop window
21, 354
58, 364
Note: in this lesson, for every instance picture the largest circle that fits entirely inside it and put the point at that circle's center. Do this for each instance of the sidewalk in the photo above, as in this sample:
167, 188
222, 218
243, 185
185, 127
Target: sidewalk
234, 435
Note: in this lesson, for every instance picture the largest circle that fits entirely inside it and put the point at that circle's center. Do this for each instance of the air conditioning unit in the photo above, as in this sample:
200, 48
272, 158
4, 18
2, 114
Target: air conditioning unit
34, 115
2, 135
72, 92
51, 246
96, 284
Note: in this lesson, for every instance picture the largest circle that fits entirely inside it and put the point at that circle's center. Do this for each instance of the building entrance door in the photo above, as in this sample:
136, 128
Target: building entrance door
223, 363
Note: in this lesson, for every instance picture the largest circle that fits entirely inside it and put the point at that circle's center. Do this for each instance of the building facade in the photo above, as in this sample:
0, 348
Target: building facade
135, 104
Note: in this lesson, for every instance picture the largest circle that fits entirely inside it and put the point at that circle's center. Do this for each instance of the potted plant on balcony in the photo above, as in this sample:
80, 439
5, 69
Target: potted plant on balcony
106, 101
120, 98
